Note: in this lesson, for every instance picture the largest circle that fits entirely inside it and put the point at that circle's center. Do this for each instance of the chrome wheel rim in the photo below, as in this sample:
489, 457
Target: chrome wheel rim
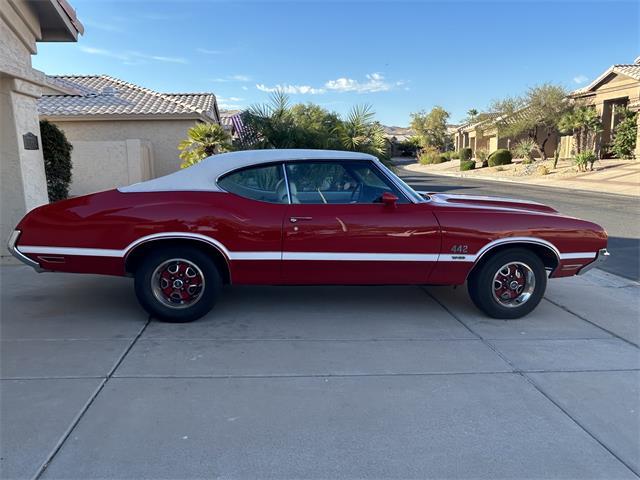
177, 283
513, 284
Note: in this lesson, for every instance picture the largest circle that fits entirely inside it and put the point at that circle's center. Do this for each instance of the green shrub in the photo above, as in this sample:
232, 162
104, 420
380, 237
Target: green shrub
447, 156
501, 156
465, 154
56, 151
467, 165
526, 149
430, 156
624, 135
584, 158
455, 155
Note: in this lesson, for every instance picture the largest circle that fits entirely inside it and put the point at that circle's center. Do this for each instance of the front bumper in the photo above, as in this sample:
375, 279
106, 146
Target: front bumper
13, 239
601, 256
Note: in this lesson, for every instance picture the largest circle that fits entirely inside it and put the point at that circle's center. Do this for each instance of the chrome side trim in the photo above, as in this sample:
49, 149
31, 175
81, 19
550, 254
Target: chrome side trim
601, 256
13, 239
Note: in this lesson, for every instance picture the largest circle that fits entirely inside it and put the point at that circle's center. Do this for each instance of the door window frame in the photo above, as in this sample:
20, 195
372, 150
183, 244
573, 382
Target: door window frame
397, 189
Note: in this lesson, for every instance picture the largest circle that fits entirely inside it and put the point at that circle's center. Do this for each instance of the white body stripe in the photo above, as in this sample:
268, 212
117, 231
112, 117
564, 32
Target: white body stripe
361, 257
571, 256
309, 256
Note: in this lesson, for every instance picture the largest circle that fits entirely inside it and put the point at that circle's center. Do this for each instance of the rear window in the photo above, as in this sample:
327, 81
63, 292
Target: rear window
264, 183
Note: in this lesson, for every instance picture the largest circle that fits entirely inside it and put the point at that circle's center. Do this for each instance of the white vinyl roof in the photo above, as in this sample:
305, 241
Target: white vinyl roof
203, 176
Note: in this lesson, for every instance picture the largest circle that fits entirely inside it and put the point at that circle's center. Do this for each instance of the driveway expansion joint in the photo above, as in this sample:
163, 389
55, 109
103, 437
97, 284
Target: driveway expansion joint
87, 405
532, 382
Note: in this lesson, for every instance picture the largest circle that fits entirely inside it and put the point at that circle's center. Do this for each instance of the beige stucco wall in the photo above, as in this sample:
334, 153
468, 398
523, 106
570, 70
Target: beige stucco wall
103, 165
162, 136
22, 178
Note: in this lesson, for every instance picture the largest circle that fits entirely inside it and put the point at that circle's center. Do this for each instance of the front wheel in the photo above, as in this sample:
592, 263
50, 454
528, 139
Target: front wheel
177, 284
508, 285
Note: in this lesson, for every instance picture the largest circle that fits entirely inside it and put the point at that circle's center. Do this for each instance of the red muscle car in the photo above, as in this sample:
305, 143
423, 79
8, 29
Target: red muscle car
302, 217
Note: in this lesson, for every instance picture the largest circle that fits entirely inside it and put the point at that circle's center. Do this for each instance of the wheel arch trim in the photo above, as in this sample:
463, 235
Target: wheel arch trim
522, 240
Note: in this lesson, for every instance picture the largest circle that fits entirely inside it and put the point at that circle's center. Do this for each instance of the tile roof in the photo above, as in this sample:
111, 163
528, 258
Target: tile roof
104, 95
630, 70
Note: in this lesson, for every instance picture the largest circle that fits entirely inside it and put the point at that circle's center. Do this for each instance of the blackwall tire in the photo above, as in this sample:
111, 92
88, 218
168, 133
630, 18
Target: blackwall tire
508, 285
177, 284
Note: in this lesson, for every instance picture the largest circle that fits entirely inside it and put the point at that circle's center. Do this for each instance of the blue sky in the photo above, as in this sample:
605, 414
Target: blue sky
400, 57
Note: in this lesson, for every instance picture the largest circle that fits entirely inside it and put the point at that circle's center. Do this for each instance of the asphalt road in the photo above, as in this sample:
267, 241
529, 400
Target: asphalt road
618, 214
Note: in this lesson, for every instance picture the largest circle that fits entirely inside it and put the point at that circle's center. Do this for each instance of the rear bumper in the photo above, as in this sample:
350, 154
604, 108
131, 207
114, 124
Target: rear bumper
601, 256
13, 239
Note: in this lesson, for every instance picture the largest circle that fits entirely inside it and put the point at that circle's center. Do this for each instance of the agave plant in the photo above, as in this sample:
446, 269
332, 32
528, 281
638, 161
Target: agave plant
203, 140
525, 149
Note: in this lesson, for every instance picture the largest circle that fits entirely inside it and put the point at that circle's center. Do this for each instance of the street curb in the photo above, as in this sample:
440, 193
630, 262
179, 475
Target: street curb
508, 180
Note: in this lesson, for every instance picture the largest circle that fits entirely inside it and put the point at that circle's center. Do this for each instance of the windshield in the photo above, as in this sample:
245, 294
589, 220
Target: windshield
406, 188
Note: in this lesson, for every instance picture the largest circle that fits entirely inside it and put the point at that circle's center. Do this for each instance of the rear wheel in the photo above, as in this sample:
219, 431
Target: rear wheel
177, 284
508, 285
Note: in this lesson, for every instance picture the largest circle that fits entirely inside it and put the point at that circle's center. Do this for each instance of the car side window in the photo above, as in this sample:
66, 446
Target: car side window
263, 183
337, 182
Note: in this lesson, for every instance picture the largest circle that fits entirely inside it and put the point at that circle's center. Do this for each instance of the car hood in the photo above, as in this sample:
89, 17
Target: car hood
488, 203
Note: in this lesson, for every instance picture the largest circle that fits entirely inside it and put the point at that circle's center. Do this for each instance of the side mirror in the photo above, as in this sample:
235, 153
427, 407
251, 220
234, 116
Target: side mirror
389, 199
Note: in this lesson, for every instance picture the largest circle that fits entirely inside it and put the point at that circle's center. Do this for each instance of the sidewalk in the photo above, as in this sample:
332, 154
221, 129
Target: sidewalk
620, 177
318, 382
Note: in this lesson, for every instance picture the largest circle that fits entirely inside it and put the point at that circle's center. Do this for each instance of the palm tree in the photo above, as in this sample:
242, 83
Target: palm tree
272, 122
204, 140
584, 124
360, 133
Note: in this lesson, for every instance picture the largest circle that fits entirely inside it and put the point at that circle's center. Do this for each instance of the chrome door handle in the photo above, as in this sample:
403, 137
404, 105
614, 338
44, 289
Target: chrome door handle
298, 219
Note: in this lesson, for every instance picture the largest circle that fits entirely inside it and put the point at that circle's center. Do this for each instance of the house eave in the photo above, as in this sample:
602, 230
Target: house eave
111, 117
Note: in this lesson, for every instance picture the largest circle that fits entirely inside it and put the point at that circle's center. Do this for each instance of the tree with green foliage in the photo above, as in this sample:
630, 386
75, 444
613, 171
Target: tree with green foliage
536, 114
359, 132
583, 123
431, 128
314, 126
203, 140
56, 151
625, 134
280, 125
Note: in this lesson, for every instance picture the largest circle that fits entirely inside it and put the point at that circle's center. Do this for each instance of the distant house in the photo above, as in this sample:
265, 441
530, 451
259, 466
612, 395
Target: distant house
226, 120
484, 134
619, 85
121, 133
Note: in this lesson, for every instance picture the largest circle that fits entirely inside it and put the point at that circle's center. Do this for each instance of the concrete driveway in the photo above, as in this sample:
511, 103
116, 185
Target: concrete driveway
323, 382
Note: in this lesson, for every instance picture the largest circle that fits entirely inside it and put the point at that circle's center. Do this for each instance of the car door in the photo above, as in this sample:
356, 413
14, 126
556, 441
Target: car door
337, 229
251, 224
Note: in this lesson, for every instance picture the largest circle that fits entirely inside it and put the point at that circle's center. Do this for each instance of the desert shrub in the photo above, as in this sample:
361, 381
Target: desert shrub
431, 155
526, 149
501, 156
56, 151
467, 165
542, 170
455, 155
466, 154
410, 146
447, 156
585, 158
624, 135
482, 156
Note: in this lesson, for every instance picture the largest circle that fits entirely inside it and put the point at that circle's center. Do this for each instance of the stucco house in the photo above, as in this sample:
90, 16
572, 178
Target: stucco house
23, 185
484, 134
121, 133
619, 85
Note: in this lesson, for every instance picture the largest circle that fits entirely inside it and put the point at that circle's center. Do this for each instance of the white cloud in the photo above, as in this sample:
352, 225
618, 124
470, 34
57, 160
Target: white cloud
291, 89
103, 52
207, 51
130, 57
106, 27
580, 79
230, 103
232, 78
374, 83
244, 87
